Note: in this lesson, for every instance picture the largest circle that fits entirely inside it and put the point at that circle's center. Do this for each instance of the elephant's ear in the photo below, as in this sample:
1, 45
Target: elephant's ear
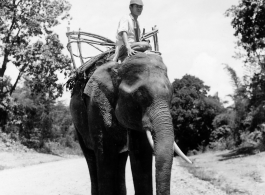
100, 89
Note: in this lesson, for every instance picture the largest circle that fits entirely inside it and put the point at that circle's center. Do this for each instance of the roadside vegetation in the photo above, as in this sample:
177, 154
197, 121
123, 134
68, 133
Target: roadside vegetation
236, 140
204, 122
29, 109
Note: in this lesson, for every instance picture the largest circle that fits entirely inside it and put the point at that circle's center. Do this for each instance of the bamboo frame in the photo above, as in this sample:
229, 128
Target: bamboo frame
153, 34
77, 37
79, 49
70, 50
150, 34
89, 35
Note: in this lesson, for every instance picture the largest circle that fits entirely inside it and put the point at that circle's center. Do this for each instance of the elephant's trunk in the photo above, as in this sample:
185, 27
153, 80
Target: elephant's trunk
163, 136
175, 146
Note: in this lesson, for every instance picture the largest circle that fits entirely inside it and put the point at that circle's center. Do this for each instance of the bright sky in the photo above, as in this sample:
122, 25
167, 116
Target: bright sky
194, 36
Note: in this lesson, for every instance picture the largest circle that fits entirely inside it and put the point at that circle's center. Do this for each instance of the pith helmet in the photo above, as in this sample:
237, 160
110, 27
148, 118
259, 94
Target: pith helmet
138, 2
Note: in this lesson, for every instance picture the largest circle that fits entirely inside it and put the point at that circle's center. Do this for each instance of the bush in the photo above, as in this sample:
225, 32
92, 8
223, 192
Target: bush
69, 142
49, 147
255, 139
59, 149
32, 139
10, 142
223, 144
220, 132
222, 139
192, 152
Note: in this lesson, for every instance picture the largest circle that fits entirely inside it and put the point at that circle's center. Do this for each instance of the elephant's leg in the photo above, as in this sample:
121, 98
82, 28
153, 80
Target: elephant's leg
110, 164
111, 172
141, 163
92, 166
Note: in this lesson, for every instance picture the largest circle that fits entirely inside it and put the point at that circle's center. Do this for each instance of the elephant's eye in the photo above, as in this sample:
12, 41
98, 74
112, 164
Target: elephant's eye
142, 96
138, 93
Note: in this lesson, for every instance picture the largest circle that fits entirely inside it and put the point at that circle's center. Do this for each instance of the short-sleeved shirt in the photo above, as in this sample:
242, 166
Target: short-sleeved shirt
127, 24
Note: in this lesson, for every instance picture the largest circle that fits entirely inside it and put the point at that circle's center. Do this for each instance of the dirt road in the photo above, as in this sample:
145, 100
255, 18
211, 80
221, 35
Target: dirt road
71, 177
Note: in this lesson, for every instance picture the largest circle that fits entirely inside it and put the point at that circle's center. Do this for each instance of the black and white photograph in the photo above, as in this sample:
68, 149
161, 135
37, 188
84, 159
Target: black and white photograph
132, 97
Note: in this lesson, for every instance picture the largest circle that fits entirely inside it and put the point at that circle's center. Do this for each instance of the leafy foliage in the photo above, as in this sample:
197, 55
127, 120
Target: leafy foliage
10, 110
224, 124
23, 26
248, 20
257, 87
238, 123
28, 42
226, 118
193, 112
41, 122
49, 61
238, 113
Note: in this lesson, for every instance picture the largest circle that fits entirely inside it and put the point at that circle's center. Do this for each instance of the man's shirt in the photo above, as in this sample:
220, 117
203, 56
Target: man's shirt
127, 24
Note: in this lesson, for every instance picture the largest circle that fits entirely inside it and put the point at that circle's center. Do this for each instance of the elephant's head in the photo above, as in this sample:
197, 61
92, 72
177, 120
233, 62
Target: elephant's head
144, 104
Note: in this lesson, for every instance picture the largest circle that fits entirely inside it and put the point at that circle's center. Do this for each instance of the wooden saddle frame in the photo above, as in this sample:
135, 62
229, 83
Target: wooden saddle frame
78, 37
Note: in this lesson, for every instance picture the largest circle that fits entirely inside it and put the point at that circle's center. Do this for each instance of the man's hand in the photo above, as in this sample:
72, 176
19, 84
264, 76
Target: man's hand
130, 51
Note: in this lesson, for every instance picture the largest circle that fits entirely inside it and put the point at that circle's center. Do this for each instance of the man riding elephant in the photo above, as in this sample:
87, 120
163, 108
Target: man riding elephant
126, 104
128, 31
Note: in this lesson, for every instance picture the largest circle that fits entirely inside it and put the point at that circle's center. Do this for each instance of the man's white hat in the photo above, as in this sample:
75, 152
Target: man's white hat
138, 2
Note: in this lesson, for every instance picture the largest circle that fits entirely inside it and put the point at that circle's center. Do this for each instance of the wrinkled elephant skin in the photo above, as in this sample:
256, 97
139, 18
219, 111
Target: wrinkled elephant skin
129, 101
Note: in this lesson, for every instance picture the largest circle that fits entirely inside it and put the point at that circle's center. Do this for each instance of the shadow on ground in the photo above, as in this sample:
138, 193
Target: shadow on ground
239, 153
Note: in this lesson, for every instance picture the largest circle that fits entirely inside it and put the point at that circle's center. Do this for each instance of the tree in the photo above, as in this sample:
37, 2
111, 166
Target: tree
248, 20
8, 107
237, 114
22, 22
62, 120
42, 74
40, 118
193, 112
257, 100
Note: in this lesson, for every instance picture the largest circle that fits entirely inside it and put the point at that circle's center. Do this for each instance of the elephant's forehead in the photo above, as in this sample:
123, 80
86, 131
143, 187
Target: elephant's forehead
144, 71
143, 61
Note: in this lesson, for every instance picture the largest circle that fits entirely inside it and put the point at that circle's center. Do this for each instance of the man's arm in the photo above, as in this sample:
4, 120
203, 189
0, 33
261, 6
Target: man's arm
117, 53
130, 51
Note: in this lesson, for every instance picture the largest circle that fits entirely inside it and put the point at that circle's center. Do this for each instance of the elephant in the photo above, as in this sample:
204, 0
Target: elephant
124, 110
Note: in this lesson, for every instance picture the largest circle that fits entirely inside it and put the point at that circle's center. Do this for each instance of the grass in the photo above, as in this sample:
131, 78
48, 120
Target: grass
213, 178
255, 176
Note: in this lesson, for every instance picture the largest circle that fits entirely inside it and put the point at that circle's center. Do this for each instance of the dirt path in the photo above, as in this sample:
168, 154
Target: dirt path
70, 177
